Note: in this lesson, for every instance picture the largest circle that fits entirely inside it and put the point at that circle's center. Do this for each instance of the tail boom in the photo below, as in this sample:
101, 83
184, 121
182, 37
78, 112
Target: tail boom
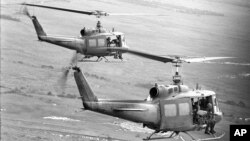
66, 42
85, 91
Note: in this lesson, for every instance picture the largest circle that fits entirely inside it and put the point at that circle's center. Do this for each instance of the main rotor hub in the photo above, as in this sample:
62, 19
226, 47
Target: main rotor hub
98, 25
99, 13
177, 77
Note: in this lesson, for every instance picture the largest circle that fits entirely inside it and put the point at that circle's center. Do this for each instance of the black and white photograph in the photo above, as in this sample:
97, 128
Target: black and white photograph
124, 70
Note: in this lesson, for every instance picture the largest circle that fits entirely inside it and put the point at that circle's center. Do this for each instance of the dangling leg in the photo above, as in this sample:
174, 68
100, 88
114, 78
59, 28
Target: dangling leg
116, 55
212, 127
120, 56
207, 127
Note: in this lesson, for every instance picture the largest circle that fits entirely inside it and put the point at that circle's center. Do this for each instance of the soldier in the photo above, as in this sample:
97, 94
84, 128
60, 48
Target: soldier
196, 108
210, 120
108, 41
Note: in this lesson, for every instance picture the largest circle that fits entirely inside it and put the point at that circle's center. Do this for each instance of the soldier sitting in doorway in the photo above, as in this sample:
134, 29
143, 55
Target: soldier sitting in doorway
116, 42
210, 120
108, 41
203, 115
195, 110
118, 39
203, 103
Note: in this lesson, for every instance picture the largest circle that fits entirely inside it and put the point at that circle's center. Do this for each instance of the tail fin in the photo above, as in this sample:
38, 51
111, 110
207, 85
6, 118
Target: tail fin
39, 30
83, 86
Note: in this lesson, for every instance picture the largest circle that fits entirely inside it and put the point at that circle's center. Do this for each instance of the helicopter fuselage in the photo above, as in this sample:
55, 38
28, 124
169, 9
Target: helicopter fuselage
170, 110
157, 115
94, 42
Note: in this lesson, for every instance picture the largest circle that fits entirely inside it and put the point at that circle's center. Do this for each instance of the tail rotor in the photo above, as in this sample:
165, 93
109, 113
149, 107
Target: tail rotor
64, 77
24, 10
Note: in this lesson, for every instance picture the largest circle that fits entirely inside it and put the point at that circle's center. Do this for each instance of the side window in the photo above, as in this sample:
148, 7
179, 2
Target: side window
170, 110
101, 42
184, 109
92, 42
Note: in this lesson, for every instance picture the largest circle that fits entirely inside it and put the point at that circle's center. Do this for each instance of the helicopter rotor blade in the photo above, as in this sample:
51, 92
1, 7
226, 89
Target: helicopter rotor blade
163, 59
61, 9
202, 59
151, 56
168, 58
136, 14
97, 13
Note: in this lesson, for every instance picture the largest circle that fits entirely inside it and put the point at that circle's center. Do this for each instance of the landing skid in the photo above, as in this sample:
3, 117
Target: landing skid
100, 59
87, 60
215, 137
176, 134
173, 134
113, 61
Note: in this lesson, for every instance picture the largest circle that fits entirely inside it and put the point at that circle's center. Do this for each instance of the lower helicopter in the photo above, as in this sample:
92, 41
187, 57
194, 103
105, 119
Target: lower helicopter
168, 108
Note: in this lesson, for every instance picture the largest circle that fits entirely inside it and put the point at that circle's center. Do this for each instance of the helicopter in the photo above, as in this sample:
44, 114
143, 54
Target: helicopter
168, 108
91, 42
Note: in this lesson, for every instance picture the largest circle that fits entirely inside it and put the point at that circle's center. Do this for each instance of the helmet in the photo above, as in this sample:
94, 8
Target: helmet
209, 106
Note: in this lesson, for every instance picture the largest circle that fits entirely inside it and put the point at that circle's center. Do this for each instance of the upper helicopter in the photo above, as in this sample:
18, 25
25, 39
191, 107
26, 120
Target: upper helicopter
91, 42
174, 107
